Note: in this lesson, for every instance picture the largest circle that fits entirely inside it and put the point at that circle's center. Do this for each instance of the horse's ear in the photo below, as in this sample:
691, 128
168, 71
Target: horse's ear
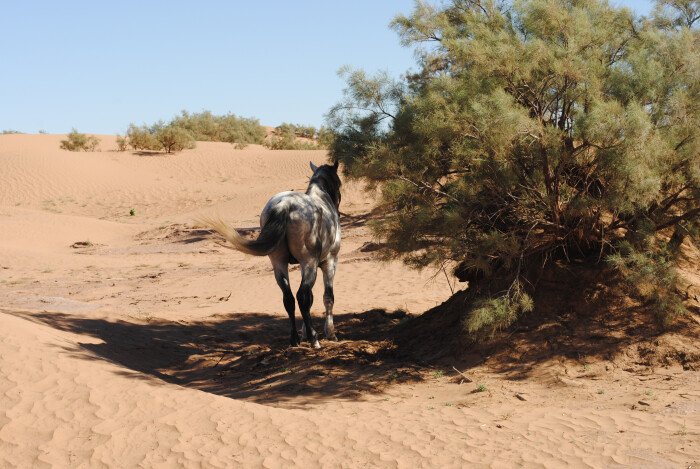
313, 166
335, 165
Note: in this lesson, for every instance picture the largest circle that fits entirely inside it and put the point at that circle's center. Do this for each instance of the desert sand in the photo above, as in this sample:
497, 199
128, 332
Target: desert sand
136, 341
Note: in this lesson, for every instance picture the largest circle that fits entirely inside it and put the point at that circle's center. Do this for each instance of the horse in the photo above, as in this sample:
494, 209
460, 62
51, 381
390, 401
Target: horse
299, 228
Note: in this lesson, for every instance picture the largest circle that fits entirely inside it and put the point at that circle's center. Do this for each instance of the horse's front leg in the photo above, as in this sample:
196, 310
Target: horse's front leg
328, 269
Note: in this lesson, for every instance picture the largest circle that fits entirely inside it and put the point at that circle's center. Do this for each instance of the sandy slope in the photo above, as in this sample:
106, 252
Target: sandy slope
151, 347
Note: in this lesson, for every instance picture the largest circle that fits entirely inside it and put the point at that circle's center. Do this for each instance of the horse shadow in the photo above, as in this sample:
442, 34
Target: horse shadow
247, 355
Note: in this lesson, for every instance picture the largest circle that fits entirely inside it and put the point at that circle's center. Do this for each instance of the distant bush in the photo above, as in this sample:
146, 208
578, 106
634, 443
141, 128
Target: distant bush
157, 137
325, 137
303, 131
299, 137
142, 138
205, 126
184, 130
80, 142
172, 138
285, 138
42, 132
10, 132
122, 143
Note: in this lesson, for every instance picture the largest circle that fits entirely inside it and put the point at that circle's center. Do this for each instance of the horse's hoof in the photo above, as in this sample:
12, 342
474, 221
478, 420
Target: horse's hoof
317, 345
294, 341
333, 337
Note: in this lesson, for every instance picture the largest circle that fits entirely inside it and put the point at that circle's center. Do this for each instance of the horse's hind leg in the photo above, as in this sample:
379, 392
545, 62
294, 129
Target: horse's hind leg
328, 269
305, 297
282, 276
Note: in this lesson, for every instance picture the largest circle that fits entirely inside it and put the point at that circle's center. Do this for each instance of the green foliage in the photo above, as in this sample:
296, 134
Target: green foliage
326, 137
650, 272
122, 143
302, 131
534, 131
205, 126
299, 137
143, 138
80, 142
172, 138
492, 314
287, 137
184, 130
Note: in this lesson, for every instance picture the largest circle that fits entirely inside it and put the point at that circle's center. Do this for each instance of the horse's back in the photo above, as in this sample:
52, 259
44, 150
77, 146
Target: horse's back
312, 229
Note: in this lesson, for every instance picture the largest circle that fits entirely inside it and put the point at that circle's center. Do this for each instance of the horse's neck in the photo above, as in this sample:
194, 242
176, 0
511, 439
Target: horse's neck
314, 190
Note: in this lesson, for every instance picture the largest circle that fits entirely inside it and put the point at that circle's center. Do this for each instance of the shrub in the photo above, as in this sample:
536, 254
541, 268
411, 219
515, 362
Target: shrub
184, 130
326, 137
142, 138
205, 126
172, 138
80, 142
122, 143
10, 132
302, 131
285, 138
536, 132
295, 137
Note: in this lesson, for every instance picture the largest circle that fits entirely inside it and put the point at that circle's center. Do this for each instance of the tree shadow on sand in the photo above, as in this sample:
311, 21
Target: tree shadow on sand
247, 355
581, 314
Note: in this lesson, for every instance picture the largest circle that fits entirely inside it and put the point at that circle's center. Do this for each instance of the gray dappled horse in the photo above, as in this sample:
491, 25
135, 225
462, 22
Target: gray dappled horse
304, 229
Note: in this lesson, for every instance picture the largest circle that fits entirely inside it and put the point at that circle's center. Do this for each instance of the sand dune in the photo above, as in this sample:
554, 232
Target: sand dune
149, 346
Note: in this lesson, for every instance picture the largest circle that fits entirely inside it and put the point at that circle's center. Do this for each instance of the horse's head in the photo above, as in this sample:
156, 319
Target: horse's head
326, 177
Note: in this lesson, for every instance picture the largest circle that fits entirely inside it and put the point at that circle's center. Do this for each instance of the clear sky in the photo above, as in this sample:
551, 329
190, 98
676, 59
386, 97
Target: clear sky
99, 66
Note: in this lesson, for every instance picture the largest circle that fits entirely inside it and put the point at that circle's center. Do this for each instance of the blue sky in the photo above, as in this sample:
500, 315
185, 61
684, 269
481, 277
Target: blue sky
99, 66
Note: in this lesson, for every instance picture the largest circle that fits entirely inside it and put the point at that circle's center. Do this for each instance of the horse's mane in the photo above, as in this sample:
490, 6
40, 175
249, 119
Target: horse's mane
326, 178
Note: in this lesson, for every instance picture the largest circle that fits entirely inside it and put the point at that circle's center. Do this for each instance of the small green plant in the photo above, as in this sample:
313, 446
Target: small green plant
495, 313
122, 143
132, 212
438, 374
77, 141
683, 431
481, 388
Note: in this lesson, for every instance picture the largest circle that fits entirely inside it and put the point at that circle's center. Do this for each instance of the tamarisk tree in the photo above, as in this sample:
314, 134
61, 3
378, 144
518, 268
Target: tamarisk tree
533, 133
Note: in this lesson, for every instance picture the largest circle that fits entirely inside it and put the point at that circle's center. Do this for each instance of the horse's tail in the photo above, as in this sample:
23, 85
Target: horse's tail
271, 235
